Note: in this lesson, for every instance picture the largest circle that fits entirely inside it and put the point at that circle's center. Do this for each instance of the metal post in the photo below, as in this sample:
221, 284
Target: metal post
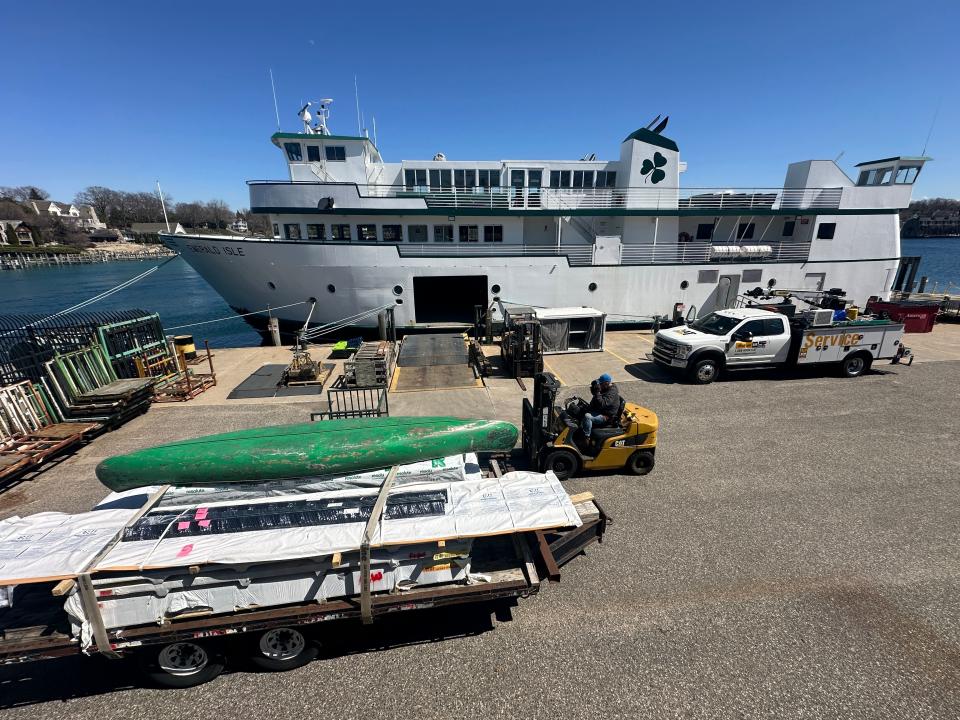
274, 326
923, 284
382, 324
366, 611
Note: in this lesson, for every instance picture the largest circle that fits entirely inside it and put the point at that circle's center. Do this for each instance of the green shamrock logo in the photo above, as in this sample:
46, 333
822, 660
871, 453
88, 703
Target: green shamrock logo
651, 168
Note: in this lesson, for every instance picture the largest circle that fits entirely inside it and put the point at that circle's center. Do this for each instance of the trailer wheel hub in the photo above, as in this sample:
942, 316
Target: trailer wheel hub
282, 643
183, 658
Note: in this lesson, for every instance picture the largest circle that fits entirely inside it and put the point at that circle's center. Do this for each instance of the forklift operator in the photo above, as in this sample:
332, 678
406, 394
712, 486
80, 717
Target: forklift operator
604, 405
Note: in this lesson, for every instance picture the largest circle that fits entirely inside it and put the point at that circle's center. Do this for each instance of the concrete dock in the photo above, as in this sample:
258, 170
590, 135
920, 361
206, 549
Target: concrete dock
794, 554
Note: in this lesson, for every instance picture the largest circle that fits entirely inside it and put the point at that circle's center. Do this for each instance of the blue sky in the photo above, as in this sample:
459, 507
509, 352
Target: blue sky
123, 94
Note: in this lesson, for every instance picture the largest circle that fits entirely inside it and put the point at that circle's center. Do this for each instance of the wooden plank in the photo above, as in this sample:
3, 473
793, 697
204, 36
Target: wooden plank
581, 497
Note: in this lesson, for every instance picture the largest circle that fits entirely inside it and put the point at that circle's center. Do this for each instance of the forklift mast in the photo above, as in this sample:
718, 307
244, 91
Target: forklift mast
539, 417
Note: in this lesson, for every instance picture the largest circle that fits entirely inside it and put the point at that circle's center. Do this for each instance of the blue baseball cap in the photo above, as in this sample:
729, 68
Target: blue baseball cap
605, 378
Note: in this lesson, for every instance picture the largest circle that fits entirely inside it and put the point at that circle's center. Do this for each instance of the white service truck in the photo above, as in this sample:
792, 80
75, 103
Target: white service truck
757, 337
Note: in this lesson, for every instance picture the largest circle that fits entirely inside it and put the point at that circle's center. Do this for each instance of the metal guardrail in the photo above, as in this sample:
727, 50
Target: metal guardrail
649, 198
354, 402
577, 254
706, 253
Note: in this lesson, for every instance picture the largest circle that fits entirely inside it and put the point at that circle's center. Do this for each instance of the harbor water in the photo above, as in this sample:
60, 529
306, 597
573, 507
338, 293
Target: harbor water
182, 297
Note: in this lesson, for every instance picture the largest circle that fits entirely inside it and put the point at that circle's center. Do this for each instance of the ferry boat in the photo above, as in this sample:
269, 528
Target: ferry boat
435, 239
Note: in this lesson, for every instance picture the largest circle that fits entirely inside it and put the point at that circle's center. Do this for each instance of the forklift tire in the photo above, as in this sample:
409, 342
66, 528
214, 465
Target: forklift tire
563, 463
640, 463
855, 365
705, 371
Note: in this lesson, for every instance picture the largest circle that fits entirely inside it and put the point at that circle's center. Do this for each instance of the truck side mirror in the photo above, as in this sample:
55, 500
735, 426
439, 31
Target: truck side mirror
743, 336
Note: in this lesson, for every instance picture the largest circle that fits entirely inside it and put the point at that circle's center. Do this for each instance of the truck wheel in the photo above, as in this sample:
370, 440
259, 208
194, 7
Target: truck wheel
563, 463
705, 371
854, 365
640, 463
181, 664
282, 649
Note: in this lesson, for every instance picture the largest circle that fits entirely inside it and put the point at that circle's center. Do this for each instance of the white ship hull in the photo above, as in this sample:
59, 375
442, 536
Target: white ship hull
255, 274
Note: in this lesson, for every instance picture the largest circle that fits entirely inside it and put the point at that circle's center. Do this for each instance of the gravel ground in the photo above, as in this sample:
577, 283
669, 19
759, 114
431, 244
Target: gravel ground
794, 554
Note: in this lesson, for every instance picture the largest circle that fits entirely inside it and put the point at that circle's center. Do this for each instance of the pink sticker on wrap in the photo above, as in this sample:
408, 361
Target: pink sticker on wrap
185, 550
183, 525
200, 514
204, 523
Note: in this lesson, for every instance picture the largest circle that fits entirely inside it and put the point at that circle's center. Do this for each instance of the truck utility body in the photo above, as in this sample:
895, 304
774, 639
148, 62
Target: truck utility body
758, 337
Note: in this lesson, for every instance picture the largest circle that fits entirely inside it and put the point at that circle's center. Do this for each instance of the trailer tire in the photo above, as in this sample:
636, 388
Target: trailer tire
181, 664
705, 370
563, 463
855, 365
640, 463
280, 649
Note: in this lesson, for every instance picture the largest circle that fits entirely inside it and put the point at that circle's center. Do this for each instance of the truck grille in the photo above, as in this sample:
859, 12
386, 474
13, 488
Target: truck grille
663, 349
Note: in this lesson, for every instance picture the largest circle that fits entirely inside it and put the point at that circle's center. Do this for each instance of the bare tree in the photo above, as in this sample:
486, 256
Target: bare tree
219, 213
24, 193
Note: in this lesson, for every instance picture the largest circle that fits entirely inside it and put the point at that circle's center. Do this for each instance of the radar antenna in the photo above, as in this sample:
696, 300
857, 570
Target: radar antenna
320, 126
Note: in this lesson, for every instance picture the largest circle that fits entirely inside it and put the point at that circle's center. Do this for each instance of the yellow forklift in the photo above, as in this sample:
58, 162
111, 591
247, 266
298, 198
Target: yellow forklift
552, 439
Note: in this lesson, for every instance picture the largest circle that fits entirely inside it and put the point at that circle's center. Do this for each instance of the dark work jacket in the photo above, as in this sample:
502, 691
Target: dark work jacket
606, 403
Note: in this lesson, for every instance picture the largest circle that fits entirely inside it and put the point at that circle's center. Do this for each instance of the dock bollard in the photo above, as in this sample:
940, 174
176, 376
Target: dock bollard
274, 326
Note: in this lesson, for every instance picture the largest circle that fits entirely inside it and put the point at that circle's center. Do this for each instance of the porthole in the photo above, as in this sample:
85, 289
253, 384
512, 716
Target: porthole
331, 288
271, 286
398, 289
772, 282
399, 301
495, 289
591, 287
684, 285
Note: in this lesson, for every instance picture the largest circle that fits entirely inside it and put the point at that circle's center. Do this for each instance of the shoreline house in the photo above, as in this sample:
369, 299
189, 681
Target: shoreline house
18, 230
83, 217
239, 225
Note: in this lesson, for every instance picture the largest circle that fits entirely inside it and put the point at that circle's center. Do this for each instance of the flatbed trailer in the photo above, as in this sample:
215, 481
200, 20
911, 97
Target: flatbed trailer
36, 627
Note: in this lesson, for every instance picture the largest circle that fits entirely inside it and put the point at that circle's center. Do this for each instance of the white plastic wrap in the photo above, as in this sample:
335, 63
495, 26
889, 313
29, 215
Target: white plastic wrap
518, 501
52, 546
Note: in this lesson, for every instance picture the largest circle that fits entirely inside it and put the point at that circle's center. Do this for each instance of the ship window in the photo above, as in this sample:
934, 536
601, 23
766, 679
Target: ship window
704, 231
294, 153
336, 153
493, 233
866, 177
826, 231
276, 230
464, 178
313, 153
417, 233
440, 179
443, 233
906, 175
392, 233
788, 227
883, 176
367, 233
489, 178
752, 276
316, 232
469, 233
606, 178
583, 178
291, 231
708, 276
340, 232
745, 231
415, 179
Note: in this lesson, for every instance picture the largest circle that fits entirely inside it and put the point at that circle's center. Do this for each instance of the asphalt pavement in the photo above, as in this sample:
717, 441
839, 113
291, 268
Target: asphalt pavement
794, 554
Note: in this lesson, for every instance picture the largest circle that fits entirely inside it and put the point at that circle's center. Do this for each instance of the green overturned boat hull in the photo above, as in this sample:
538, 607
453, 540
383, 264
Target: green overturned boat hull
304, 450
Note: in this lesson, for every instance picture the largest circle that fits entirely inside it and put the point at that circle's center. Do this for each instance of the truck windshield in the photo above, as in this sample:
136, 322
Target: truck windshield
715, 324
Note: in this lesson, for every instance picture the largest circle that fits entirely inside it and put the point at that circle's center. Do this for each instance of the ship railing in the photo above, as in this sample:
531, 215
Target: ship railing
666, 254
576, 254
612, 198
694, 252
